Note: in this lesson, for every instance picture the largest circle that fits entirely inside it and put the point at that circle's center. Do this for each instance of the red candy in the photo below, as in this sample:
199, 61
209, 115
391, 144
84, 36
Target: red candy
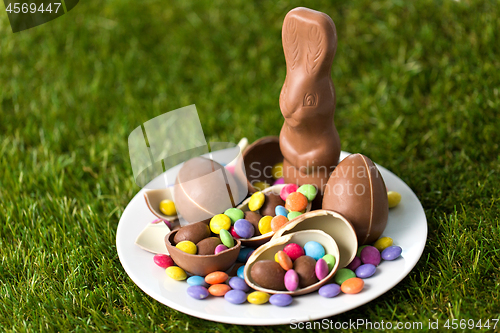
294, 251
289, 188
163, 260
233, 233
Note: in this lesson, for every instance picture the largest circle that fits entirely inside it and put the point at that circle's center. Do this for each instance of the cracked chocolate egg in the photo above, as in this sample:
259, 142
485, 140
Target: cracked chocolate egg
357, 190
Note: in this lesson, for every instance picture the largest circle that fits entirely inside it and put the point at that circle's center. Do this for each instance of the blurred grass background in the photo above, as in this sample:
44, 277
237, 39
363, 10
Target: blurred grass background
417, 91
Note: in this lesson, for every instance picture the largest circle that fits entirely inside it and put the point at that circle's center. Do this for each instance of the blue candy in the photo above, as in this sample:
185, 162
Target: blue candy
329, 290
238, 283
280, 210
196, 280
392, 252
197, 292
314, 249
245, 252
281, 299
239, 272
235, 296
365, 271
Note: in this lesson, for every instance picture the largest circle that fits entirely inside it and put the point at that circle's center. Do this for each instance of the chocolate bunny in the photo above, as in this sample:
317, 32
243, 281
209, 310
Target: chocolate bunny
309, 140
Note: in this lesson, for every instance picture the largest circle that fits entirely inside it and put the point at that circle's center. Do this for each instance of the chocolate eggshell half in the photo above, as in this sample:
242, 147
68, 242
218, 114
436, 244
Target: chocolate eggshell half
333, 223
357, 190
202, 264
257, 241
268, 250
259, 158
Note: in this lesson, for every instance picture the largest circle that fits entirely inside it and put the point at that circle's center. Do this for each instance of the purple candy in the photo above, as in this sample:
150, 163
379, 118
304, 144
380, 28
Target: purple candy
370, 255
197, 292
238, 284
281, 299
291, 280
220, 248
365, 271
244, 229
321, 269
235, 296
355, 263
329, 290
279, 181
391, 252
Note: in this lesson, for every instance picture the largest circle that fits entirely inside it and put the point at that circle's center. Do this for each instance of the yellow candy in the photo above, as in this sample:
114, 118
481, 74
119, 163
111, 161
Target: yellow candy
276, 257
394, 198
218, 222
176, 273
187, 246
277, 170
265, 224
382, 243
261, 185
256, 201
167, 207
258, 297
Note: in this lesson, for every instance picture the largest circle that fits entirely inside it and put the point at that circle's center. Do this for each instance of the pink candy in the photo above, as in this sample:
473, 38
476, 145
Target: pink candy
220, 248
289, 188
163, 260
294, 251
279, 181
321, 269
291, 280
370, 255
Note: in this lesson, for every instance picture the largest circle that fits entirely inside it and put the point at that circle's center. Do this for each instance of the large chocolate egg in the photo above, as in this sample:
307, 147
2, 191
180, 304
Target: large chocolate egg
268, 274
357, 191
203, 188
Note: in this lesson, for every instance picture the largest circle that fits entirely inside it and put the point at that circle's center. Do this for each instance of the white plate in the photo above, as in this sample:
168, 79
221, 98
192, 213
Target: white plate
407, 226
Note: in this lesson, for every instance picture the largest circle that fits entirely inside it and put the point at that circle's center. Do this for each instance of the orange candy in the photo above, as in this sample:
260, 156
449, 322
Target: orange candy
296, 202
219, 289
284, 260
216, 278
277, 222
352, 286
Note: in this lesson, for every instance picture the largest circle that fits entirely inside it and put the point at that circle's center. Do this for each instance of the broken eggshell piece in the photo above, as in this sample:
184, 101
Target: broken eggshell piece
333, 223
267, 252
152, 238
153, 199
202, 265
257, 241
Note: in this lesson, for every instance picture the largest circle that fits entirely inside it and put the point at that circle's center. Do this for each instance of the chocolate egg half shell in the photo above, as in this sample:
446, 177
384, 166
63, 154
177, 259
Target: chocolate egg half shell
259, 158
257, 241
204, 188
333, 223
268, 250
357, 190
202, 264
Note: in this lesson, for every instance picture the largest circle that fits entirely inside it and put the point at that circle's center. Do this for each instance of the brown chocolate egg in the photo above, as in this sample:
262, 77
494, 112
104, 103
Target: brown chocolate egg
198, 264
304, 266
254, 218
203, 188
357, 191
194, 232
259, 158
268, 274
208, 245
269, 206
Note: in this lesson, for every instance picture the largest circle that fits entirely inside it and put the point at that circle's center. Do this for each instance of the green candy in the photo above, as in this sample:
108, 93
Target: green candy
342, 275
234, 214
226, 238
358, 254
293, 215
330, 260
309, 191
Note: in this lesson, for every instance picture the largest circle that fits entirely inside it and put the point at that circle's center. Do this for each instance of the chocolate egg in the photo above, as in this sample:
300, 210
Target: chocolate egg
333, 223
192, 232
269, 207
305, 266
259, 239
202, 265
259, 159
268, 274
357, 191
208, 245
254, 218
267, 251
204, 188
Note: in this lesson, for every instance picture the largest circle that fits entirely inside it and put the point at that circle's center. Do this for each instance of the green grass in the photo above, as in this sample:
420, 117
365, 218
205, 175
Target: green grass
418, 91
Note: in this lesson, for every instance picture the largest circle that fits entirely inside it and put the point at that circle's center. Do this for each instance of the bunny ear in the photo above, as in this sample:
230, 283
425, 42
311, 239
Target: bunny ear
314, 49
290, 42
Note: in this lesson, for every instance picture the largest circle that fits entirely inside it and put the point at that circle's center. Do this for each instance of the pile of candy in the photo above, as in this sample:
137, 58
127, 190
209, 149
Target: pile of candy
295, 266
